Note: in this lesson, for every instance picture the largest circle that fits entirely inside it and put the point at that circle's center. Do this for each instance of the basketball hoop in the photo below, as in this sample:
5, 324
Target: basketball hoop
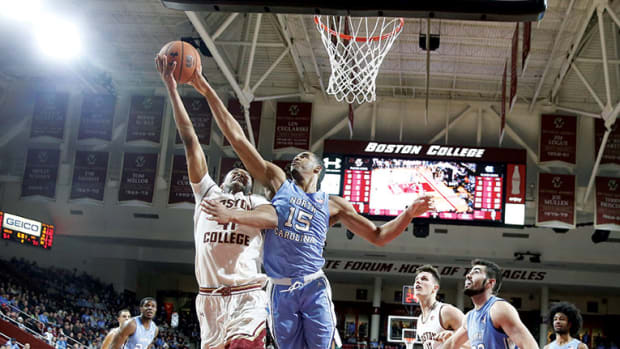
408, 337
356, 47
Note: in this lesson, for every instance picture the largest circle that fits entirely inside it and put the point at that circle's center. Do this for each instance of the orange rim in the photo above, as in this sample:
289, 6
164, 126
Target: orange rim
360, 38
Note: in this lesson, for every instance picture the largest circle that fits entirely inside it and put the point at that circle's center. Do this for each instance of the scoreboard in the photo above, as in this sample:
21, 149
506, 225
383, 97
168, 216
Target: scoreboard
469, 185
26, 231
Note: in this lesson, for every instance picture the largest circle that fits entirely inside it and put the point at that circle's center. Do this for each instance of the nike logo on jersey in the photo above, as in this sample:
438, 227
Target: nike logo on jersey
225, 237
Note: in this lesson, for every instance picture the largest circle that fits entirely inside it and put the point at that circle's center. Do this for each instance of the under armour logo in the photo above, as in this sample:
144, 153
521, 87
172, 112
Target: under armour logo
359, 162
91, 158
196, 104
42, 156
140, 161
174, 54
558, 122
612, 185
557, 182
335, 163
293, 109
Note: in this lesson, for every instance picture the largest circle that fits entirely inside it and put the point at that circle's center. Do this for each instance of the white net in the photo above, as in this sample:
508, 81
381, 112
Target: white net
356, 47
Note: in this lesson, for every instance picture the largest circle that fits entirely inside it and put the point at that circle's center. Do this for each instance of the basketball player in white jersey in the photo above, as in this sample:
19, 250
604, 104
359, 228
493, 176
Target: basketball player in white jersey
138, 332
123, 315
438, 320
566, 320
231, 305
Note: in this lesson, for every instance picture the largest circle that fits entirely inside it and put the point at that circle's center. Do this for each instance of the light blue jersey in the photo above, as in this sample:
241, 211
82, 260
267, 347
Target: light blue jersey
572, 344
143, 337
295, 247
481, 332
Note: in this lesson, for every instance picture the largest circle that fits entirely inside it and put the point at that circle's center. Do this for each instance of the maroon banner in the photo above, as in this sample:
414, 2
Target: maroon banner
41, 173
607, 204
256, 110
200, 114
138, 179
180, 188
97, 117
293, 125
145, 115
558, 139
527, 43
227, 164
503, 108
556, 201
513, 67
89, 175
50, 110
611, 155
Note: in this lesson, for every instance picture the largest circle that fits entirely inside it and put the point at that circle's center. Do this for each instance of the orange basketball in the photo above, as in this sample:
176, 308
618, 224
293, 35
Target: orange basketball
187, 59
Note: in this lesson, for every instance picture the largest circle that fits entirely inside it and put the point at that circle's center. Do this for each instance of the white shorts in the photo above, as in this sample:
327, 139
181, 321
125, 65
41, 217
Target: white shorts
234, 317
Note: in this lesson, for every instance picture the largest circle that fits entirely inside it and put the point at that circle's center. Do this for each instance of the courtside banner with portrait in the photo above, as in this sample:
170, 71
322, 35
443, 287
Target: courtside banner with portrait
97, 117
556, 201
293, 125
41, 173
145, 116
89, 175
558, 140
181, 194
256, 109
200, 115
611, 155
469, 185
48, 118
138, 178
607, 204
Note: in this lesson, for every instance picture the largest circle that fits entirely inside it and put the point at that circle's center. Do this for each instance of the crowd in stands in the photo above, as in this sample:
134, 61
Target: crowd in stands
70, 310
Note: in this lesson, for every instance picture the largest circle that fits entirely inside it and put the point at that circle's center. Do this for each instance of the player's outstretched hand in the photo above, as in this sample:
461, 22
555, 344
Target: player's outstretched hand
420, 206
166, 70
218, 212
443, 336
198, 81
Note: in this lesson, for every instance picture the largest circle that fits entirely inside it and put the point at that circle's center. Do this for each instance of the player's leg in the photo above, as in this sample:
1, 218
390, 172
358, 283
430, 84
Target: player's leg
247, 328
211, 317
284, 318
319, 317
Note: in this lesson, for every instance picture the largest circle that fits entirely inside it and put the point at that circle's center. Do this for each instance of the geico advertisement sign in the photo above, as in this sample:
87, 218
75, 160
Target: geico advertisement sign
22, 224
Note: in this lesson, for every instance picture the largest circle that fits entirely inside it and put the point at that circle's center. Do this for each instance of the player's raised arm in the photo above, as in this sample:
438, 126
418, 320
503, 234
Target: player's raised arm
505, 316
128, 328
341, 210
263, 171
262, 217
196, 161
107, 341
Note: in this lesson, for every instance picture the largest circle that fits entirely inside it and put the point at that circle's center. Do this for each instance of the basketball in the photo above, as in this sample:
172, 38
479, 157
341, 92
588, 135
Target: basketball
187, 59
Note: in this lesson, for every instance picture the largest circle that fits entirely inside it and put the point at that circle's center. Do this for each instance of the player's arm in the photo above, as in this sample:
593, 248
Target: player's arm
451, 320
340, 210
196, 161
505, 316
263, 171
128, 328
580, 346
107, 341
262, 217
154, 338
457, 340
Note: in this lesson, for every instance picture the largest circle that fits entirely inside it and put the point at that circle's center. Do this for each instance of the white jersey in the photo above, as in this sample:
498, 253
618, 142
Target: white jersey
226, 255
428, 327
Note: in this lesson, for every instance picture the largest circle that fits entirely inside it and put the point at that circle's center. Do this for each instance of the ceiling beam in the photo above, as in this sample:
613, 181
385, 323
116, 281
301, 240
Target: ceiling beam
460, 115
588, 86
224, 25
286, 35
601, 31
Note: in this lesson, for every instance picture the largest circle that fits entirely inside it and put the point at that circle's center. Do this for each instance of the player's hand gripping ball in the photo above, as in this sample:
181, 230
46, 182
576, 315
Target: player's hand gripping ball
186, 57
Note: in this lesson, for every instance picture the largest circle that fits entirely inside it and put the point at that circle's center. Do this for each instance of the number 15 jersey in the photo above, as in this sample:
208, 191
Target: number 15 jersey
226, 254
295, 247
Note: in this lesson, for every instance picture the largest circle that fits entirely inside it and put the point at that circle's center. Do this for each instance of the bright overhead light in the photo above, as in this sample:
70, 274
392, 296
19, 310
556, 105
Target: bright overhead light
58, 38
23, 10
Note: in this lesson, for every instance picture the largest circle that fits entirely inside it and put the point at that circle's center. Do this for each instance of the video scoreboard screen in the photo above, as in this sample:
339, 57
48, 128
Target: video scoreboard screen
26, 231
469, 185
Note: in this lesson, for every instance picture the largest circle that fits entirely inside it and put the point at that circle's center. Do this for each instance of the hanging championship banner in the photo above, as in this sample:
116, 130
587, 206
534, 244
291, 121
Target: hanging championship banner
513, 67
227, 164
558, 139
50, 110
145, 115
293, 125
556, 201
41, 173
502, 125
138, 178
97, 117
180, 188
89, 175
256, 109
611, 155
200, 114
527, 43
607, 204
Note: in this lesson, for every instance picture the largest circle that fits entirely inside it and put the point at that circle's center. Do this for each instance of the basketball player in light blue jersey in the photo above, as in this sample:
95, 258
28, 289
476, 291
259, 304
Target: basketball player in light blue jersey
493, 323
138, 332
301, 310
566, 320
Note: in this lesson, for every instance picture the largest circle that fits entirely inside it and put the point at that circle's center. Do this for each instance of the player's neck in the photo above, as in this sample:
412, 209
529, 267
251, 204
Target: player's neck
308, 185
481, 299
427, 304
563, 338
145, 321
